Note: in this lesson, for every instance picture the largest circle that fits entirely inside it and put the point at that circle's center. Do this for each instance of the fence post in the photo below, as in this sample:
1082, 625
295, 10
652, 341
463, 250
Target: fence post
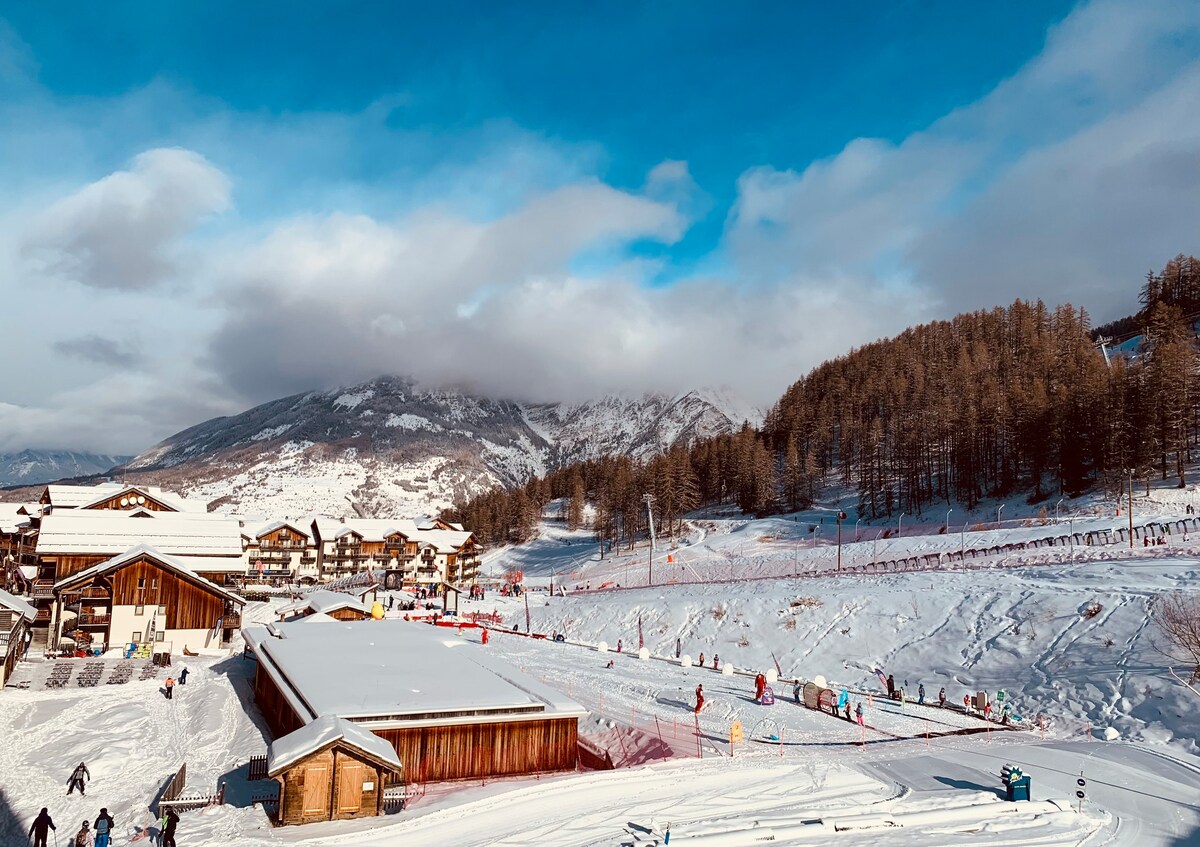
780, 741
926, 732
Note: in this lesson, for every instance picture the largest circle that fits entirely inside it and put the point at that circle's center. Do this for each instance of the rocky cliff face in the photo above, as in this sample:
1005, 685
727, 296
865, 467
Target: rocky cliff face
389, 446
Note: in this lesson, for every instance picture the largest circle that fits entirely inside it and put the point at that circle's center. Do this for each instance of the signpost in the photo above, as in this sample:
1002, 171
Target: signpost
736, 736
1081, 794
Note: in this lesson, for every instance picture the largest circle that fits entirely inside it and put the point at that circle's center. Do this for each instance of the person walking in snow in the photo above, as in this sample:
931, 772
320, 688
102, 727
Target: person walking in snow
618, 645
170, 820
699, 698
41, 824
83, 838
169, 686
484, 637
846, 706
966, 702
760, 685
103, 826
183, 676
858, 713
891, 684
678, 647
921, 694
796, 689
716, 661
942, 697
77, 778
701, 660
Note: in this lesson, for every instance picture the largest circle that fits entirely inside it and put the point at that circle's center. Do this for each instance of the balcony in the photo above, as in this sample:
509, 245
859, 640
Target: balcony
43, 589
92, 619
231, 620
93, 593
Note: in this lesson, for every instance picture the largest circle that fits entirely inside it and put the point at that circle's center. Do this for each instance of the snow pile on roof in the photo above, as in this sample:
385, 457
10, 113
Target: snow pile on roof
269, 527
326, 602
84, 532
16, 604
322, 733
400, 673
12, 518
317, 617
82, 496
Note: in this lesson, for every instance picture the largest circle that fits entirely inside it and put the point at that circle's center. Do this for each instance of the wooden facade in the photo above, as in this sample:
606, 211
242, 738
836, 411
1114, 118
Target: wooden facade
348, 615
337, 783
475, 751
134, 499
444, 753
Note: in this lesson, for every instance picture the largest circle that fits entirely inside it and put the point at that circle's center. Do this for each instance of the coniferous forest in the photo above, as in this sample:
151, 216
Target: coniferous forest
1009, 401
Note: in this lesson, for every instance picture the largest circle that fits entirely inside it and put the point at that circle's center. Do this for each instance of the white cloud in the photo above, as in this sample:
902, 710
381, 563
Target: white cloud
123, 231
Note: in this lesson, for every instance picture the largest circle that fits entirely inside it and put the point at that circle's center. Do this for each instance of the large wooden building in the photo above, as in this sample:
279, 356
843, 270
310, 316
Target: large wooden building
420, 554
146, 597
331, 769
16, 619
448, 708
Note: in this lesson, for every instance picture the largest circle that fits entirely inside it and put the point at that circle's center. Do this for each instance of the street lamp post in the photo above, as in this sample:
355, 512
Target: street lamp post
999, 509
900, 525
841, 516
649, 498
856, 523
962, 544
948, 512
1056, 506
1130, 471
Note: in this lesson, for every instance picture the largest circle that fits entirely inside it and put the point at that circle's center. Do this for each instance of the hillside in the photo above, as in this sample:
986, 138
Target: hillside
389, 445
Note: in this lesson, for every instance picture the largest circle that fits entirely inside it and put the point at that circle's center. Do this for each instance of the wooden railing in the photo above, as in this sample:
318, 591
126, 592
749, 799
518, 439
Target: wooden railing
90, 619
43, 588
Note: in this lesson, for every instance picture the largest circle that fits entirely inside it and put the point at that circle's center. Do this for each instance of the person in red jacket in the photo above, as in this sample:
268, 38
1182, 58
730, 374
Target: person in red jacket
484, 637
760, 685
699, 698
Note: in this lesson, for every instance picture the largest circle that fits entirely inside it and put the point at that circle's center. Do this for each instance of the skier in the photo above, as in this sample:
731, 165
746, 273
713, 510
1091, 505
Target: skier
796, 691
891, 684
760, 685
942, 697
484, 637
611, 664
716, 661
846, 706
701, 660
678, 647
183, 676
921, 694
699, 700
103, 826
169, 685
76, 780
966, 702
858, 713
83, 838
38, 830
169, 820
618, 645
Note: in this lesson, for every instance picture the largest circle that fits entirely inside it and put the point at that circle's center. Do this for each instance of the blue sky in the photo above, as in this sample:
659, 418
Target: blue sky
585, 197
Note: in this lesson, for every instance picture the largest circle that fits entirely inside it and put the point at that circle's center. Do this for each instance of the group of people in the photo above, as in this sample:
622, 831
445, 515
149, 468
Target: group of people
98, 833
511, 590
169, 685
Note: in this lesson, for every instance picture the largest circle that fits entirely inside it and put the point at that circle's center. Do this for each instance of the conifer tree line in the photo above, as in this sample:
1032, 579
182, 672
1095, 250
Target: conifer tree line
1016, 400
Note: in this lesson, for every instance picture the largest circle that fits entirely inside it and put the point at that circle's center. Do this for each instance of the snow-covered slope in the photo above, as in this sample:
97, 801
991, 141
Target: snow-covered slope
31, 467
389, 445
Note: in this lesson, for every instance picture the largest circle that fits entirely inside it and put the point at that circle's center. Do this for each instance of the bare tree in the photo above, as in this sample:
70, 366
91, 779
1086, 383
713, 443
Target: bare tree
1177, 616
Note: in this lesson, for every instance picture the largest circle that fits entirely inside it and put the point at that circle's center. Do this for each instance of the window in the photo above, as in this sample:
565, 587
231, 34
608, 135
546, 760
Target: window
141, 582
139, 610
162, 608
160, 635
136, 636
154, 583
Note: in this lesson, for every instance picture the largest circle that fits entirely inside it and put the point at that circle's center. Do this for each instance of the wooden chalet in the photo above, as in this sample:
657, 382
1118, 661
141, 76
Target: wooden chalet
423, 553
281, 550
146, 597
111, 495
447, 707
16, 619
335, 604
330, 770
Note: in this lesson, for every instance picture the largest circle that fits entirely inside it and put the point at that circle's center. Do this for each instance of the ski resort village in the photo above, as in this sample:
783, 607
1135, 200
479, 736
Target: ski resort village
352, 681
619, 424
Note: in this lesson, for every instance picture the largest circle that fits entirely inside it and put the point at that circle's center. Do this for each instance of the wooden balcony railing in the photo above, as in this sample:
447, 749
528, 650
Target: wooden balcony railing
92, 619
43, 588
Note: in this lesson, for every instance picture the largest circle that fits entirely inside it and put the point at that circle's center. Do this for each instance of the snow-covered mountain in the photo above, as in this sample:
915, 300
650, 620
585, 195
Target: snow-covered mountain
390, 446
32, 467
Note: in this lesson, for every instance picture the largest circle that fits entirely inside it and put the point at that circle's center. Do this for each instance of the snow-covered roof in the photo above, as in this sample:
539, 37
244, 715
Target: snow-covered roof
271, 526
395, 673
16, 604
372, 529
13, 517
325, 601
132, 555
85, 532
82, 496
323, 733
443, 540
317, 617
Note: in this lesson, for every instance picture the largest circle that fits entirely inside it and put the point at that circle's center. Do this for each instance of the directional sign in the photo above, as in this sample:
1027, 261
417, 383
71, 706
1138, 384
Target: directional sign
1081, 782
1080, 795
736, 734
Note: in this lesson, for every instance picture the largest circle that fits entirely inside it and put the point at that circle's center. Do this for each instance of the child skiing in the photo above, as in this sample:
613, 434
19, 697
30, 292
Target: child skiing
76, 780
942, 697
701, 660
796, 692
921, 694
760, 685
858, 713
716, 661
83, 838
699, 698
